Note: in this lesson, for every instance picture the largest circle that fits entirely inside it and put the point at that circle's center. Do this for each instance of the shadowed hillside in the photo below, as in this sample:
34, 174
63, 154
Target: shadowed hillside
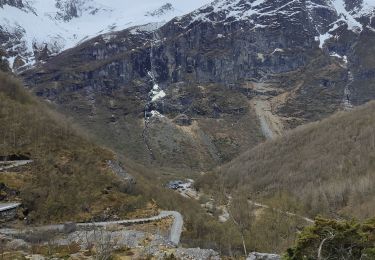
70, 178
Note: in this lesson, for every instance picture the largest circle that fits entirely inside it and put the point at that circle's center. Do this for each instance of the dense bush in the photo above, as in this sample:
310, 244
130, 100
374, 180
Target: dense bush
331, 239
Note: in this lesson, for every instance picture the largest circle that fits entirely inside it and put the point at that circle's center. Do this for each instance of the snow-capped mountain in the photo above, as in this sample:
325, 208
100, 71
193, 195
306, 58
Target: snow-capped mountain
324, 14
32, 29
239, 10
287, 61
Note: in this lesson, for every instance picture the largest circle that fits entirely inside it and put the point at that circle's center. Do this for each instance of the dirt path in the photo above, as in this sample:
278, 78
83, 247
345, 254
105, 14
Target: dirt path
263, 206
290, 214
270, 123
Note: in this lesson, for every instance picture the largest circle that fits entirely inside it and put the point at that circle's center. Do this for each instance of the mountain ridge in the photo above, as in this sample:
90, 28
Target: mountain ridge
65, 23
218, 70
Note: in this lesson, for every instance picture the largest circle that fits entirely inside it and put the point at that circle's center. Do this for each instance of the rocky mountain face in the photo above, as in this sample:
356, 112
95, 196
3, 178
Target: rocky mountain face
15, 3
205, 86
70, 9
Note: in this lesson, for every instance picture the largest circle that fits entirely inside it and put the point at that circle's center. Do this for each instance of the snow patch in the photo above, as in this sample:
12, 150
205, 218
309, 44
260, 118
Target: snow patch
157, 93
343, 58
150, 27
260, 56
323, 38
353, 24
231, 9
155, 113
277, 50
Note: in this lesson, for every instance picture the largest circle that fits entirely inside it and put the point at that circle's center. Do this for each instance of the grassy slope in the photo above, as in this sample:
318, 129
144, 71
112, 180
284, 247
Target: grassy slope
327, 167
70, 182
69, 179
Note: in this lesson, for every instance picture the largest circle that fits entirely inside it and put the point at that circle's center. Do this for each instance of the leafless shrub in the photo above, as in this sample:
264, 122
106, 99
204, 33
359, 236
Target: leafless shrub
100, 242
37, 237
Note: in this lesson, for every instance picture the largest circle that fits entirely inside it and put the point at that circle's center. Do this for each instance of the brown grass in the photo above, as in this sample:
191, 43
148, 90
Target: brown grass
327, 167
69, 179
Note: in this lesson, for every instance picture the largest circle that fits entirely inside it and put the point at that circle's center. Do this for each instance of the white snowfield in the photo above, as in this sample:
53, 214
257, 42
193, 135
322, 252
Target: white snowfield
40, 24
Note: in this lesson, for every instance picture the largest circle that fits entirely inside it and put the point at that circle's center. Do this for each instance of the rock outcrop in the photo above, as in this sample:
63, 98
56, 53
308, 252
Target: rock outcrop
262, 256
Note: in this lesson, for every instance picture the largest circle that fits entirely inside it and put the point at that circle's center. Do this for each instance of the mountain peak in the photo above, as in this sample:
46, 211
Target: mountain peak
168, 7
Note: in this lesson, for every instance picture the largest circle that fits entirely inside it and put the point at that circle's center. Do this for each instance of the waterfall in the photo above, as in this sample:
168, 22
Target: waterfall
346, 102
155, 94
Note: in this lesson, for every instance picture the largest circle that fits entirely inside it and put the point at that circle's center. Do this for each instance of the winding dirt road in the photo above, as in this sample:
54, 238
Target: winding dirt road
290, 214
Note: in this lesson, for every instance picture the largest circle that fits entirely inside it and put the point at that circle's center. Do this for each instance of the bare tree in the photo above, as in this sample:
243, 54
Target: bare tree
241, 212
331, 236
102, 241
2, 247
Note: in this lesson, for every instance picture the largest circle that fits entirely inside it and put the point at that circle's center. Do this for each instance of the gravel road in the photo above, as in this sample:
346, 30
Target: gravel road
174, 235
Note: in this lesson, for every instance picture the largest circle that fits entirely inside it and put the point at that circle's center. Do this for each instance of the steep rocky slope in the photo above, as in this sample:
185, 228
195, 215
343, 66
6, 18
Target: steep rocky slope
70, 178
192, 126
208, 85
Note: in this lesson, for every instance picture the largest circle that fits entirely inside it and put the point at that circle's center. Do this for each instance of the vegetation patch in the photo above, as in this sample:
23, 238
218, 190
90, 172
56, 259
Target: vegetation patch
331, 239
69, 179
